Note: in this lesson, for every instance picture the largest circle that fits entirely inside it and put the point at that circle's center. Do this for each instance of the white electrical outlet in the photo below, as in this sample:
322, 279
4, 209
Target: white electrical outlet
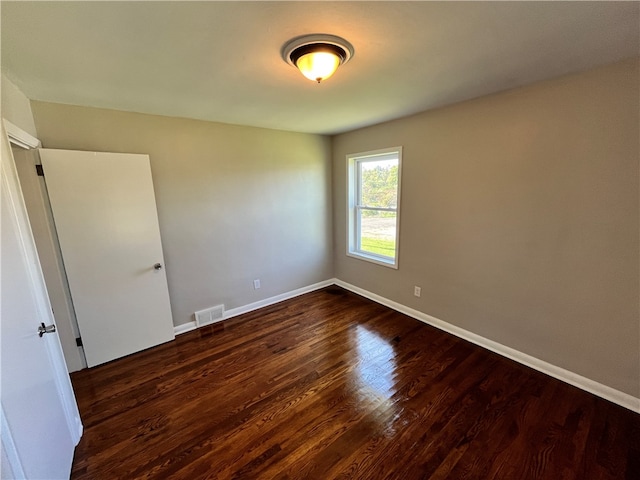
417, 291
256, 284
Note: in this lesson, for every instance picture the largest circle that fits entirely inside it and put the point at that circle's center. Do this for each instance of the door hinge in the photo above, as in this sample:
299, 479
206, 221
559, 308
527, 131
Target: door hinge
79, 342
39, 170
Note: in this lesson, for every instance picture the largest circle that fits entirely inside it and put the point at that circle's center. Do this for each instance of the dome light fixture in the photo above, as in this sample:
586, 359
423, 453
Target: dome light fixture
317, 56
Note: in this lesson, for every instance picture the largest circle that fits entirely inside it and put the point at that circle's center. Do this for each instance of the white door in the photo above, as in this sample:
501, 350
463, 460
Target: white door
40, 423
105, 214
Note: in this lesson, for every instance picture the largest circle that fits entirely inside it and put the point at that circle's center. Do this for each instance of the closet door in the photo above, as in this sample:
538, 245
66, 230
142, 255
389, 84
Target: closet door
105, 215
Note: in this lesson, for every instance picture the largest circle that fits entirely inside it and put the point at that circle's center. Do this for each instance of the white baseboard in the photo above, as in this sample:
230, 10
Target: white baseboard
184, 328
591, 386
234, 312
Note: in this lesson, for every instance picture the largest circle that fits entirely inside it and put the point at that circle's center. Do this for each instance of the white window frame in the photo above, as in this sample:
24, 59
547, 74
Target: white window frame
353, 185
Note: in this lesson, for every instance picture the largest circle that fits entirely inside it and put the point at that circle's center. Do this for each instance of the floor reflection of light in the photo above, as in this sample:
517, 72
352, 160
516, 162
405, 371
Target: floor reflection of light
376, 364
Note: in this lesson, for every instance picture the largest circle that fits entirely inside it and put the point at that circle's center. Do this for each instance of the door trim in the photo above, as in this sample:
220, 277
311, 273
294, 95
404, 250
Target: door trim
19, 137
9, 448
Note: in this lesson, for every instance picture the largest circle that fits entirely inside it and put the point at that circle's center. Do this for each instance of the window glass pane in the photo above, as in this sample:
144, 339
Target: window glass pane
373, 205
378, 232
378, 183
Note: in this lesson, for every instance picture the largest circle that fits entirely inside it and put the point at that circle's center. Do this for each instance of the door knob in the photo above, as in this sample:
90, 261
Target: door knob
157, 266
42, 329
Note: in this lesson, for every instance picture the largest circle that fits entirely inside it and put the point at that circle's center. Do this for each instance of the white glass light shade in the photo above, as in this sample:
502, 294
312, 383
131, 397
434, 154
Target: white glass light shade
318, 66
317, 56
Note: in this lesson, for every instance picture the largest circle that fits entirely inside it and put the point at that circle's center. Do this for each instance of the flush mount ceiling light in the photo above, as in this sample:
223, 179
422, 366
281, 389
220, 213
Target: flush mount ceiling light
317, 56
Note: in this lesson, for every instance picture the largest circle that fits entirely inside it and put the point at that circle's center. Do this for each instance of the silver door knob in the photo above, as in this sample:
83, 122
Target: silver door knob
42, 329
157, 266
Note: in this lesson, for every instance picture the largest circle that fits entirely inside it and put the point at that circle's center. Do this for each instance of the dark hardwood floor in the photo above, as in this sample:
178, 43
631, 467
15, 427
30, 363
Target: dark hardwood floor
331, 385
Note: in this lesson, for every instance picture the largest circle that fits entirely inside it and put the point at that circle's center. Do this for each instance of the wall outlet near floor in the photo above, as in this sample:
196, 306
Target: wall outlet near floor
417, 291
256, 284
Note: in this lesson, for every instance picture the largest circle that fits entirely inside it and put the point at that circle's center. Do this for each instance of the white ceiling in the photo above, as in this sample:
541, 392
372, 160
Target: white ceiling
221, 61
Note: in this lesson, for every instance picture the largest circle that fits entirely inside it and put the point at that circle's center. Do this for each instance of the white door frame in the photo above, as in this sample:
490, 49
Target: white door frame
17, 136
36, 198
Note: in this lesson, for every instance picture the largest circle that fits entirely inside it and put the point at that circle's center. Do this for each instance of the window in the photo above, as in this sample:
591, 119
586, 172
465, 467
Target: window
374, 202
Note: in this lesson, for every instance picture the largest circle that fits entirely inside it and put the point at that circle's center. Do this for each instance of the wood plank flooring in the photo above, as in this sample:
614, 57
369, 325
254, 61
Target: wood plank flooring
330, 385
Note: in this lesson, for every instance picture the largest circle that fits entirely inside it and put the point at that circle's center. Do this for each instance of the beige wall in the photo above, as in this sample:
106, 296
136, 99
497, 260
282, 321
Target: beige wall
234, 203
520, 220
15, 106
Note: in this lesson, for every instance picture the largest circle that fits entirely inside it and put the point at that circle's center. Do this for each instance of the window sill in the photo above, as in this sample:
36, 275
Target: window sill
389, 263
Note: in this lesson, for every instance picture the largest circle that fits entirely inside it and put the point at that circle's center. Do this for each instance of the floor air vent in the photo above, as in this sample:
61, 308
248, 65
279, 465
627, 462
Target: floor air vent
209, 315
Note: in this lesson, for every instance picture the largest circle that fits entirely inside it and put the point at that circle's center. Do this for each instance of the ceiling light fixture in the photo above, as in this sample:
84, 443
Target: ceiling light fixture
317, 56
